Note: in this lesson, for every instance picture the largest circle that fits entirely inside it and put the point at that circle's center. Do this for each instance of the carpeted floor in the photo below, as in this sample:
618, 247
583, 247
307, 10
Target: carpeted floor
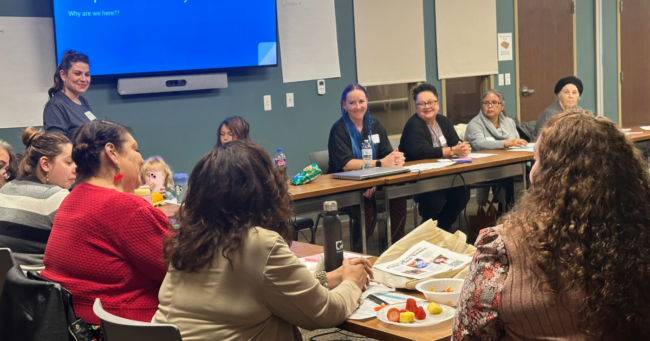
462, 224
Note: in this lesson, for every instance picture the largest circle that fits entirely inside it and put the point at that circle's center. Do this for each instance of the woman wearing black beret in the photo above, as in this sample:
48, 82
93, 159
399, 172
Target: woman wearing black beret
567, 91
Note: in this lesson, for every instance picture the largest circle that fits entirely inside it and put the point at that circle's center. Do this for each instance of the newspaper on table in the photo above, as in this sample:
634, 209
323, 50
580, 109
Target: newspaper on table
424, 260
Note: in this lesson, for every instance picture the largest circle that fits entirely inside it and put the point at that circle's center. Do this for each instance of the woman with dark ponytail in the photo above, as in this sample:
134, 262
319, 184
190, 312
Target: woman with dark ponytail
67, 109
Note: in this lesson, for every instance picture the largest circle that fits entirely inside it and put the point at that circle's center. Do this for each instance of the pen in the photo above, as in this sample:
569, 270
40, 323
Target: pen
377, 300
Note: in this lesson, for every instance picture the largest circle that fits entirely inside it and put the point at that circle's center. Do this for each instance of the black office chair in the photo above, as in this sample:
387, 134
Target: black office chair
7, 261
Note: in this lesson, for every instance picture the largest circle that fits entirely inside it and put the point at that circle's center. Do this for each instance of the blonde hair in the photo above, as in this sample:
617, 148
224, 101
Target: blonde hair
157, 162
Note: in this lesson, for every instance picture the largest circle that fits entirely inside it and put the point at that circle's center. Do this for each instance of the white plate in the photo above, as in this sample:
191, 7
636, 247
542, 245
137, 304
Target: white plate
446, 314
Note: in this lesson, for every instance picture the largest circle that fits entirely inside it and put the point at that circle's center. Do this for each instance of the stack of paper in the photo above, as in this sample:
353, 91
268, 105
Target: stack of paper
479, 155
427, 166
529, 148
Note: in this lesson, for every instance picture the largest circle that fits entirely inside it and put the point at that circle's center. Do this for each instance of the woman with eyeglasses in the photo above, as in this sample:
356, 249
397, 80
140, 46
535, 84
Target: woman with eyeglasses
8, 164
492, 129
428, 135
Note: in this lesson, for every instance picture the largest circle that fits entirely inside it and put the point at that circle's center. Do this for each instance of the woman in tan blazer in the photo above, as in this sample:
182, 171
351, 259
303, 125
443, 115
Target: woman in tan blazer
232, 275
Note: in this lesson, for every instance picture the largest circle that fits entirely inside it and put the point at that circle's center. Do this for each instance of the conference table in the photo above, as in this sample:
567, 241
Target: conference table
310, 197
505, 163
374, 328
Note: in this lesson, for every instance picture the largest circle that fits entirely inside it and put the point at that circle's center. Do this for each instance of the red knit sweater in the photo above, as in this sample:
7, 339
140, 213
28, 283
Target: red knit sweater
108, 245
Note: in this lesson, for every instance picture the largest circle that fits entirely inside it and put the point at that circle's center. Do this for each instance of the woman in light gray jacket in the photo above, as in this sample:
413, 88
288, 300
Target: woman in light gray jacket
492, 129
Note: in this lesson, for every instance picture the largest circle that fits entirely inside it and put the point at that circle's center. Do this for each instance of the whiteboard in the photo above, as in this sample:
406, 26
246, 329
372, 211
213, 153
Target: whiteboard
308, 42
27, 65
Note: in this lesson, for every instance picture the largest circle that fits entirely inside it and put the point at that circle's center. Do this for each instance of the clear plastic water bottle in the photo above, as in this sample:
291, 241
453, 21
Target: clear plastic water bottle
281, 160
366, 152
332, 236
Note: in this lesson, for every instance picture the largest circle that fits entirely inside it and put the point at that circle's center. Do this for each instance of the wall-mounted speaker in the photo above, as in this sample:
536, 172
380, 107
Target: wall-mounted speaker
147, 85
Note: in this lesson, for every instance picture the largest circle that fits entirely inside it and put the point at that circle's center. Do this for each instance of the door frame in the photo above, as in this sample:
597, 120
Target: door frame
618, 61
575, 55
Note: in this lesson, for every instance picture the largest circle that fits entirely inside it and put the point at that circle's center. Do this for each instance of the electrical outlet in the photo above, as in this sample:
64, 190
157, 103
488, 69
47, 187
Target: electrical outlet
500, 79
267, 102
507, 79
289, 99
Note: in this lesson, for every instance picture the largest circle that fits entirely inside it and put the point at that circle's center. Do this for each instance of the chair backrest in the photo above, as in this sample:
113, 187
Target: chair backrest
321, 158
7, 261
116, 328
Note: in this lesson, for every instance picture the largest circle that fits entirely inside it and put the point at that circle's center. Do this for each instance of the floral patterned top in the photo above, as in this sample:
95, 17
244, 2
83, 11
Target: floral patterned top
477, 314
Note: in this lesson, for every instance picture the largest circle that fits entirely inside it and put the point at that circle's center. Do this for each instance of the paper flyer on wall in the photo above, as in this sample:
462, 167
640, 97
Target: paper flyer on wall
424, 260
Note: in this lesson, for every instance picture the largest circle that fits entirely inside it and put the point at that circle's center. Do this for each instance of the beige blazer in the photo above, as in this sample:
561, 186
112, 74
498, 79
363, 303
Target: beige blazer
265, 295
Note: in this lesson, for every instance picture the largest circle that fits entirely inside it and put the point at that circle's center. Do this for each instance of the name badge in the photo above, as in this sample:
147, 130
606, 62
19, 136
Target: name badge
490, 138
90, 115
375, 138
443, 141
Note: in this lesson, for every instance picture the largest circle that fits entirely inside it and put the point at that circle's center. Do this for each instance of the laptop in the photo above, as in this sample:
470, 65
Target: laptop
369, 173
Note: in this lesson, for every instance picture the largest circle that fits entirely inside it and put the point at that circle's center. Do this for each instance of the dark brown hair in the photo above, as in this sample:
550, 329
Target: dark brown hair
237, 125
231, 189
69, 57
586, 223
424, 87
89, 142
39, 144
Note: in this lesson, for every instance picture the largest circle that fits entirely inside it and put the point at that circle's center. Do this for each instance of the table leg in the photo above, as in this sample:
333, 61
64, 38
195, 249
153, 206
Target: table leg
362, 220
523, 170
382, 210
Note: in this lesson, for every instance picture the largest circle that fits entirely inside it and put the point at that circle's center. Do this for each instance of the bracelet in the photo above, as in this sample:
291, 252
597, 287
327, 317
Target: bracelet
321, 276
451, 151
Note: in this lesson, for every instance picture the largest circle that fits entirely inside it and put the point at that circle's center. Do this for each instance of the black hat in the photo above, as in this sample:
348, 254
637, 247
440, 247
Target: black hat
568, 80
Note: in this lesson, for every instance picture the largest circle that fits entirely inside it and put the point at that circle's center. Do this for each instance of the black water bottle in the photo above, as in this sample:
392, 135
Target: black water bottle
332, 236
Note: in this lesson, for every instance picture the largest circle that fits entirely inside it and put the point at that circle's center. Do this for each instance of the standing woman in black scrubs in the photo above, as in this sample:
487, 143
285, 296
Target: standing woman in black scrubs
344, 147
67, 109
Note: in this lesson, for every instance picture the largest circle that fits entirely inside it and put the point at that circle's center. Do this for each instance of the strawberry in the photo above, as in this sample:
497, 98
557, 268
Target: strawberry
411, 305
393, 315
420, 314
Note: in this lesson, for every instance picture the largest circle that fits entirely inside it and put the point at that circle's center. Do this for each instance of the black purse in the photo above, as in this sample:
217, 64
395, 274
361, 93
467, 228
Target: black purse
33, 308
77, 327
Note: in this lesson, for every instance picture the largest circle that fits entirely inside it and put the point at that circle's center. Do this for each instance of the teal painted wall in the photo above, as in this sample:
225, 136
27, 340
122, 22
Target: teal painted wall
506, 24
586, 52
181, 127
610, 61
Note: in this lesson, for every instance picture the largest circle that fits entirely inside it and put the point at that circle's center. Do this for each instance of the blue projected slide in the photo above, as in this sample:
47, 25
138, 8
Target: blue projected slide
124, 37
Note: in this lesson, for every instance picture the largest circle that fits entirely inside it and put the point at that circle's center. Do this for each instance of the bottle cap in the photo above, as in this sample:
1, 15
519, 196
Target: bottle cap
330, 206
179, 176
279, 150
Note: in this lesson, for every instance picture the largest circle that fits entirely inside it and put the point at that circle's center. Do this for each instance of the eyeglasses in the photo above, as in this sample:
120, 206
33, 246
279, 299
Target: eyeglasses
488, 104
427, 104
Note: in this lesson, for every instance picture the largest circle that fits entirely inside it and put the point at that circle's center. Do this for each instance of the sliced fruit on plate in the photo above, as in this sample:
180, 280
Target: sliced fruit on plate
393, 315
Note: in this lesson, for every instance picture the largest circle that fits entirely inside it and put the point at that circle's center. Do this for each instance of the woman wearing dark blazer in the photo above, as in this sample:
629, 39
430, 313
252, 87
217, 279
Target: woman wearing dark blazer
428, 135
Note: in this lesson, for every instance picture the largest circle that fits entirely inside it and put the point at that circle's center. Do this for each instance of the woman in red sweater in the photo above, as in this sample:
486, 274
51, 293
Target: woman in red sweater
105, 242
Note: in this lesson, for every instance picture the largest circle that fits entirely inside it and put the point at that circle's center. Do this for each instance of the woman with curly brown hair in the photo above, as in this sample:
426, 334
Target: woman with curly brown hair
571, 260
232, 275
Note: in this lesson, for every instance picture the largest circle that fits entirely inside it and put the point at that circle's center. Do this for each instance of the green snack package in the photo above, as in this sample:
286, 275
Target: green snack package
307, 175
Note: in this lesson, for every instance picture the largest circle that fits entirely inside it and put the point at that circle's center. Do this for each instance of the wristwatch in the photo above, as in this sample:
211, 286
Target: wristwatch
378, 163
451, 151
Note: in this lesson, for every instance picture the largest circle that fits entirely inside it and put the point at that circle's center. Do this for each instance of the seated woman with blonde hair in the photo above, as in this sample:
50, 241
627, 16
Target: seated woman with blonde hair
232, 275
570, 261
